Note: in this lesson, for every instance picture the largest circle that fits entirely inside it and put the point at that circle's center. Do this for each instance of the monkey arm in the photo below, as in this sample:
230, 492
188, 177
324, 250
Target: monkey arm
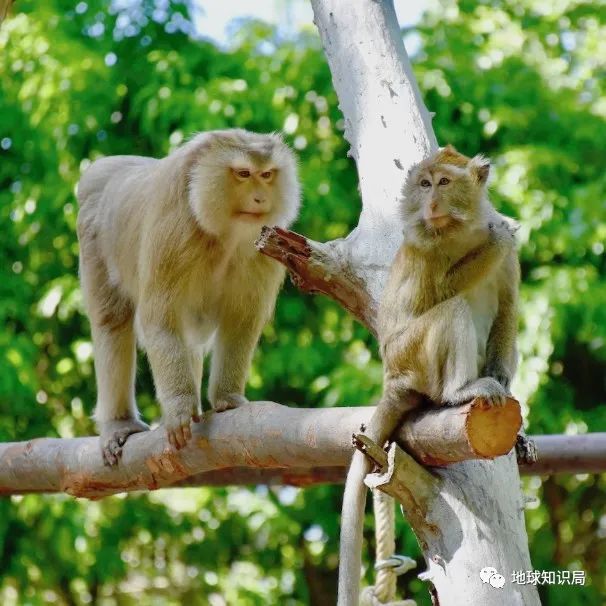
469, 271
235, 342
501, 354
169, 359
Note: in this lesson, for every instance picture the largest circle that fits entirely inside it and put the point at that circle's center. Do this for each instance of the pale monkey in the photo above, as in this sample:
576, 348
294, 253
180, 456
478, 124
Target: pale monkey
167, 254
447, 320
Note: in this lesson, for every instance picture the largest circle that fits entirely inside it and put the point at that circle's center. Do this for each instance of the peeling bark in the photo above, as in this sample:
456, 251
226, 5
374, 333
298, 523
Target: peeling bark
319, 268
459, 525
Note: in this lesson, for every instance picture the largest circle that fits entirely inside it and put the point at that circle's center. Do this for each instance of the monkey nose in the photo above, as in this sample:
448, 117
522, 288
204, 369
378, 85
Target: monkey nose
259, 200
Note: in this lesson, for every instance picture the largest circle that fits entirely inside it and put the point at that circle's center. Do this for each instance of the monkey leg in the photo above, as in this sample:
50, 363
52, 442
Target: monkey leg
116, 412
235, 342
114, 350
501, 351
171, 364
453, 365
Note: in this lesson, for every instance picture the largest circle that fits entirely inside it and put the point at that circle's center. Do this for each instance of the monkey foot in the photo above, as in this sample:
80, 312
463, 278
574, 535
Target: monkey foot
229, 401
114, 435
492, 391
526, 450
178, 428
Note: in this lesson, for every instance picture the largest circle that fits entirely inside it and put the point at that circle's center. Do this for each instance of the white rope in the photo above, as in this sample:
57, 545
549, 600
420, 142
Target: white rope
388, 564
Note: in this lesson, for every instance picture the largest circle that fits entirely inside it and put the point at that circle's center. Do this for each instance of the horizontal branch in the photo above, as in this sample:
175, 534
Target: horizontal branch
558, 454
264, 443
472, 431
301, 477
262, 435
584, 453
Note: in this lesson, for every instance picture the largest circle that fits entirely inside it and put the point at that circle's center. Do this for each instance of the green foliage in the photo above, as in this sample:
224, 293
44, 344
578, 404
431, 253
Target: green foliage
519, 81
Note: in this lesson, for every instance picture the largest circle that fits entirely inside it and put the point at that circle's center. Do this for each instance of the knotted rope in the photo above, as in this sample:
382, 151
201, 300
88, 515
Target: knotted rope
388, 565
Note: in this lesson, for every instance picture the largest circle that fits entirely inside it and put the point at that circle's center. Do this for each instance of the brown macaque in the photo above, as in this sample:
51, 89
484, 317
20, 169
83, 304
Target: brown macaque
167, 259
447, 320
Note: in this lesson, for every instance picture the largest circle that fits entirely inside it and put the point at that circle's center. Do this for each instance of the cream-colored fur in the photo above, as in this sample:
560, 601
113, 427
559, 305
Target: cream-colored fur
167, 253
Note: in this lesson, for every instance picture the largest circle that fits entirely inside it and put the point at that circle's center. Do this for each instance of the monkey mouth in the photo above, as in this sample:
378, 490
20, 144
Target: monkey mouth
250, 216
439, 222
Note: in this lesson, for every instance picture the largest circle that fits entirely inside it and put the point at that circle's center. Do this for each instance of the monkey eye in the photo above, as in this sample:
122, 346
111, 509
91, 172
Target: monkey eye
267, 174
425, 183
444, 181
243, 174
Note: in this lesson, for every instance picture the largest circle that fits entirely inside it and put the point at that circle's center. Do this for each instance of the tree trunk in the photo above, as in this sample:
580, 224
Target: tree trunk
473, 516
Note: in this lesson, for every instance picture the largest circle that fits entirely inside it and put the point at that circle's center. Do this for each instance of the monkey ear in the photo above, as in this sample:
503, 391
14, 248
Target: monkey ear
479, 167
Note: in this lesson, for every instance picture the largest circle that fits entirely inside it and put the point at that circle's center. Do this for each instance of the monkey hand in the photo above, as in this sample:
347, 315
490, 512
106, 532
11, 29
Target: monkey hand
228, 401
497, 371
113, 435
485, 388
177, 417
490, 390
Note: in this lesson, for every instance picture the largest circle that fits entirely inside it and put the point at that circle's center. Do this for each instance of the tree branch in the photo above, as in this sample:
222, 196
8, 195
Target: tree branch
558, 454
319, 268
584, 453
271, 443
262, 435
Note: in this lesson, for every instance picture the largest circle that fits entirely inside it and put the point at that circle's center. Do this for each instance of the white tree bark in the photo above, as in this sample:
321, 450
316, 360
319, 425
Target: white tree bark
386, 122
476, 517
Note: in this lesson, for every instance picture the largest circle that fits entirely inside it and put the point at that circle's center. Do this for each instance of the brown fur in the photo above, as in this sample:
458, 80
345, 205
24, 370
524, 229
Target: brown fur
167, 252
447, 319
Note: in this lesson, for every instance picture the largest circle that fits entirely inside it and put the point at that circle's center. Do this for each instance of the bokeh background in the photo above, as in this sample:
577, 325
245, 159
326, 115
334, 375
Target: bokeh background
520, 80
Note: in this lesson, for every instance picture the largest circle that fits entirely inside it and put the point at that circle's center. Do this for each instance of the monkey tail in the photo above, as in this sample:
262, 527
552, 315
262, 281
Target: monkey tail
352, 514
388, 415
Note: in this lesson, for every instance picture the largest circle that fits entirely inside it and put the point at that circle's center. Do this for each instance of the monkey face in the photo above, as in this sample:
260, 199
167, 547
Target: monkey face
254, 192
242, 181
444, 194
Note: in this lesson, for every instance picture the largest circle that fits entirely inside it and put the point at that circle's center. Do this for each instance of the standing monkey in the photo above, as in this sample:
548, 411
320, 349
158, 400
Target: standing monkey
447, 320
167, 253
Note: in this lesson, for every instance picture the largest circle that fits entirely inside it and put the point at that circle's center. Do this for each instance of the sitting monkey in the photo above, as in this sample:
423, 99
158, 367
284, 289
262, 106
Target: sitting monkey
167, 253
447, 320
